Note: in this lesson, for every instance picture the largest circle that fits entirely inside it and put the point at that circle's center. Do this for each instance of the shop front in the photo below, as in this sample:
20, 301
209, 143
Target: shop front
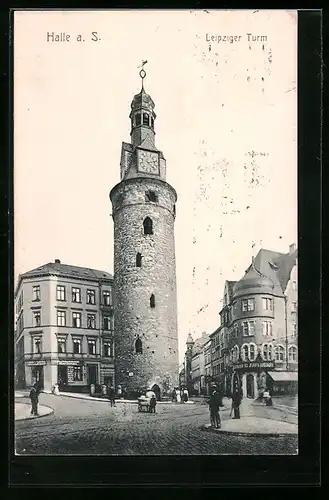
71, 376
251, 376
283, 383
34, 373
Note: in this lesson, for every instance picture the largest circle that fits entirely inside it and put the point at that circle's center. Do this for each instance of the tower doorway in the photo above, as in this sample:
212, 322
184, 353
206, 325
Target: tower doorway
250, 386
157, 392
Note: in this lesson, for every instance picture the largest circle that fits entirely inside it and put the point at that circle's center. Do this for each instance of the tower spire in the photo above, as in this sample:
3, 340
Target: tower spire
142, 73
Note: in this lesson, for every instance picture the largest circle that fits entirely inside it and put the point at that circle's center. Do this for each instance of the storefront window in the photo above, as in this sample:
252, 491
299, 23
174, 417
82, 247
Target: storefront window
77, 373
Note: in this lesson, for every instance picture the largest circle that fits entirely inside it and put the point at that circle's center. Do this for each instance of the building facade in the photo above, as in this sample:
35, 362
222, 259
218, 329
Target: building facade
143, 211
256, 343
64, 328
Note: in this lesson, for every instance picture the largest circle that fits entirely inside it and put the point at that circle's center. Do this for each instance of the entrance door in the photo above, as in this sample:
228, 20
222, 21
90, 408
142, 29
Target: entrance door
92, 374
37, 374
62, 376
156, 390
250, 386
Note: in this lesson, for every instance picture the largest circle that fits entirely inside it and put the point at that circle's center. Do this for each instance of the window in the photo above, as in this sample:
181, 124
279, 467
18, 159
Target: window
106, 298
138, 346
294, 330
267, 328
294, 306
279, 353
138, 260
138, 119
91, 320
91, 297
235, 353
252, 352
107, 349
91, 346
292, 353
248, 328
245, 352
152, 121
76, 320
151, 196
61, 318
152, 301
76, 295
37, 345
61, 345
36, 293
76, 346
267, 304
106, 322
248, 304
77, 373
60, 292
146, 119
36, 318
267, 351
148, 226
174, 209
235, 330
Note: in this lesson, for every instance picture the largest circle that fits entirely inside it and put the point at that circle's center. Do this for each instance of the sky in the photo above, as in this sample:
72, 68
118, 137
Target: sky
226, 122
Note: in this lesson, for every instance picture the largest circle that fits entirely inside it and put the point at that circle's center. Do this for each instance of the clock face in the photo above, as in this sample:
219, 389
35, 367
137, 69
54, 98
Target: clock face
148, 162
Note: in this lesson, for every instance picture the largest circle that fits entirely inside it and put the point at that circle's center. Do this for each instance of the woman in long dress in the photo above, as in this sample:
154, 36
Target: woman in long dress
178, 398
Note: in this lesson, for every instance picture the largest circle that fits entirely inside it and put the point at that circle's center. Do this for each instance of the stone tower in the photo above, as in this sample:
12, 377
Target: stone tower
145, 305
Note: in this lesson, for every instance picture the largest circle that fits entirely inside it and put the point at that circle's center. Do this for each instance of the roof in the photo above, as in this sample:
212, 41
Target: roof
230, 286
199, 343
276, 266
59, 269
284, 376
254, 281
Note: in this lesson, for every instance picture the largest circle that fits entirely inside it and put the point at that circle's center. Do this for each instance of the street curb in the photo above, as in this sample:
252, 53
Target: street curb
37, 416
285, 409
120, 401
252, 434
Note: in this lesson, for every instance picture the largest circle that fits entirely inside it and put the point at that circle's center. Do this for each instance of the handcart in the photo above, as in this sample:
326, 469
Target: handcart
144, 404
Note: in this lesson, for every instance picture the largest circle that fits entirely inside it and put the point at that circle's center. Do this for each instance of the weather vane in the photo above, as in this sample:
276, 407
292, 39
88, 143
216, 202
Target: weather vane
142, 72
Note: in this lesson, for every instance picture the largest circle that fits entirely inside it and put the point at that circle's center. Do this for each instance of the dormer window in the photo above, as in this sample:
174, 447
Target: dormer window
138, 119
146, 119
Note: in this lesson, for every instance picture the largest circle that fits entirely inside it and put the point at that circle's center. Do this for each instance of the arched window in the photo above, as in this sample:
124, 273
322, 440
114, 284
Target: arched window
139, 260
279, 353
138, 346
292, 353
252, 352
146, 119
267, 352
138, 119
235, 353
245, 352
152, 121
148, 226
152, 301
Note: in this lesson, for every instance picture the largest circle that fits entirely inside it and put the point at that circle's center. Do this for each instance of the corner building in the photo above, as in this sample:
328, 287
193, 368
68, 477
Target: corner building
143, 211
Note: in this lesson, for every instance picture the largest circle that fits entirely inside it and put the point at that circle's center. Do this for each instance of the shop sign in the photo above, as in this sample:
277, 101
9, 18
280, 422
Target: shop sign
36, 363
69, 363
252, 365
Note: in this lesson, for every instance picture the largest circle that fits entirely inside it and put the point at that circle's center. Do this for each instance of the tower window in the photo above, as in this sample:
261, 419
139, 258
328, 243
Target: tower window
138, 119
148, 226
138, 346
139, 260
151, 196
174, 209
152, 301
152, 121
146, 119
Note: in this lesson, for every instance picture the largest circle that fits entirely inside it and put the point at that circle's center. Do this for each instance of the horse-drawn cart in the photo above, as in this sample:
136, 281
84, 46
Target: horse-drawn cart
144, 404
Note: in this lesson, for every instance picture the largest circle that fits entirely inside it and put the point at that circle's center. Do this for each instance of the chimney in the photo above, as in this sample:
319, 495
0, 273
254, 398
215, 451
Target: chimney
57, 261
292, 248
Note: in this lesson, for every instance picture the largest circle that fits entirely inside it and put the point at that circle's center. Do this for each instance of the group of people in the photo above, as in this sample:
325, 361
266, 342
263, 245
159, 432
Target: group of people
179, 396
216, 402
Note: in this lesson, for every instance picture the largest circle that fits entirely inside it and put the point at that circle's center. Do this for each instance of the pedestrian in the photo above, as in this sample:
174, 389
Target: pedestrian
174, 396
266, 395
185, 395
119, 391
34, 397
111, 394
215, 402
236, 401
153, 403
178, 398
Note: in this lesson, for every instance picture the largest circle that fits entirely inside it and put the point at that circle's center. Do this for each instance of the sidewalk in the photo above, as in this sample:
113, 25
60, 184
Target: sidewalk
23, 411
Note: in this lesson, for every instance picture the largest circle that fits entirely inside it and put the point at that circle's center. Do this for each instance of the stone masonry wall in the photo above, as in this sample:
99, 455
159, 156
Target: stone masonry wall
133, 286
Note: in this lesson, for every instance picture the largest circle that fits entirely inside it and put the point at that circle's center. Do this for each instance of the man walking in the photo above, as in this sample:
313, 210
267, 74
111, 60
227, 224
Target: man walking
236, 401
214, 403
34, 397
112, 396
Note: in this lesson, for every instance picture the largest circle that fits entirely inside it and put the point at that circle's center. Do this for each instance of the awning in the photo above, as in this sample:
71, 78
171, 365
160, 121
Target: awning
284, 376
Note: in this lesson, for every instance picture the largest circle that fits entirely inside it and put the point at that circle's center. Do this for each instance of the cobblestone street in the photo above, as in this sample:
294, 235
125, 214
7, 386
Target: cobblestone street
82, 427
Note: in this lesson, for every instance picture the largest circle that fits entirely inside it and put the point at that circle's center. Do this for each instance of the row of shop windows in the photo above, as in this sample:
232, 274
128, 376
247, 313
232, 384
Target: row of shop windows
76, 295
76, 346
268, 352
